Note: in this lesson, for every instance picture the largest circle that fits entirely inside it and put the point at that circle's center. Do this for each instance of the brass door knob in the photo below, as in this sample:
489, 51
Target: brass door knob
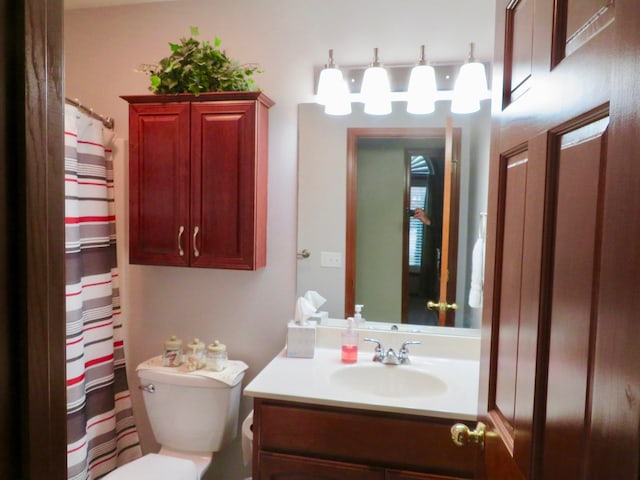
442, 306
462, 435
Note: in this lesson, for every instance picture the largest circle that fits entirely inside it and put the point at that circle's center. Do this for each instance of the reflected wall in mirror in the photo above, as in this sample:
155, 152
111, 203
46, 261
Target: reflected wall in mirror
322, 201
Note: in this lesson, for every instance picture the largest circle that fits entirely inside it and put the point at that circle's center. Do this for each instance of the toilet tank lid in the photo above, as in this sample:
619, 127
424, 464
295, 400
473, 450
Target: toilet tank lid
231, 376
155, 467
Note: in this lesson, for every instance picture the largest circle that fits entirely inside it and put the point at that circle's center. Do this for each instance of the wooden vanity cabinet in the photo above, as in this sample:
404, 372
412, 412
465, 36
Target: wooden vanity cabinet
295, 441
198, 179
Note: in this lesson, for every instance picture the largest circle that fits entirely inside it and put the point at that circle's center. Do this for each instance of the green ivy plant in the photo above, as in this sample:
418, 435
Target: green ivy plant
196, 67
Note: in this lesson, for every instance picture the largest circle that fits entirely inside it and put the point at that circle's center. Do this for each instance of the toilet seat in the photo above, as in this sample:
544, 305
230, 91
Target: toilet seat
154, 466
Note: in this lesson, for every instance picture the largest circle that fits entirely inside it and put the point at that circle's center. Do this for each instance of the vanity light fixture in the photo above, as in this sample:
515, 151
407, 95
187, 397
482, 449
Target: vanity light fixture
421, 94
379, 86
333, 91
470, 87
376, 89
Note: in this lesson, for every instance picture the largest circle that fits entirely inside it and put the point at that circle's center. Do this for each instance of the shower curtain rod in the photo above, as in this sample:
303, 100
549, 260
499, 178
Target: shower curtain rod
106, 121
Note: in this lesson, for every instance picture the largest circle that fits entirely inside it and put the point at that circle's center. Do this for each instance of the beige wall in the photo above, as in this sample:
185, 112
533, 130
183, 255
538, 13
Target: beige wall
246, 310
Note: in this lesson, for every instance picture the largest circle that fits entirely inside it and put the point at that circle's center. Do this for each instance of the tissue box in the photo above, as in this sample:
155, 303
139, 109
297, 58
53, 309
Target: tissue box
321, 318
301, 340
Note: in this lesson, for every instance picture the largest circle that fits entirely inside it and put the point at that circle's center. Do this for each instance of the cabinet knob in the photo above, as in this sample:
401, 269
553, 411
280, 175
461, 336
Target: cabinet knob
180, 232
196, 231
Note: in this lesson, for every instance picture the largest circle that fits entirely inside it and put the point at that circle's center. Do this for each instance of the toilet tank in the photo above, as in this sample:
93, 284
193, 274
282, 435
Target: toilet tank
188, 412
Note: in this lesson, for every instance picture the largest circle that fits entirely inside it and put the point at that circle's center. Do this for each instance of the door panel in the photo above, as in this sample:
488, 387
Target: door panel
516, 321
513, 231
579, 166
584, 20
518, 48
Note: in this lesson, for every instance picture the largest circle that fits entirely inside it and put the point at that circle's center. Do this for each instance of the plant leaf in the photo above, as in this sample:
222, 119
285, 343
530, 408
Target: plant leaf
194, 31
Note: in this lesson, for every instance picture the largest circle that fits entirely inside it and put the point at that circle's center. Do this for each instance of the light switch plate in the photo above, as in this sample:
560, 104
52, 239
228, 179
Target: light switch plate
331, 259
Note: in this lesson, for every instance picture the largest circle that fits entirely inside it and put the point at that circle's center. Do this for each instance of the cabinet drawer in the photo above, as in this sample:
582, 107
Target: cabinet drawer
371, 438
275, 466
397, 475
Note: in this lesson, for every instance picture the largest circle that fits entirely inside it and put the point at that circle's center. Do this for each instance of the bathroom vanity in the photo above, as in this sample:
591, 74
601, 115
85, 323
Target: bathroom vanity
320, 418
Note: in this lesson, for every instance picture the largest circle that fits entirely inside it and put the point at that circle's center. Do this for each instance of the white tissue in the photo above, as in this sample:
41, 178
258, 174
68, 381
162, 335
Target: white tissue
307, 305
315, 298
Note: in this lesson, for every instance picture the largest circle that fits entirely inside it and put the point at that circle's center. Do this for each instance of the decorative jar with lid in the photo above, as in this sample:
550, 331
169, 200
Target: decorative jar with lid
172, 355
195, 355
216, 356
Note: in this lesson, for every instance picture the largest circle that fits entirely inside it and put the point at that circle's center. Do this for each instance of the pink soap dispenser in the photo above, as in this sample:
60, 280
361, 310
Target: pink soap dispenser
350, 343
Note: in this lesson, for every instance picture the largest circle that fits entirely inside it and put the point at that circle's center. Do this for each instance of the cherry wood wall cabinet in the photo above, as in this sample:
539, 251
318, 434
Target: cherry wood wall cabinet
295, 441
198, 179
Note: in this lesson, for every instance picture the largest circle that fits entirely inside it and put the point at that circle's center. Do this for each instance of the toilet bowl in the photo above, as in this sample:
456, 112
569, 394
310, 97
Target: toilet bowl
191, 415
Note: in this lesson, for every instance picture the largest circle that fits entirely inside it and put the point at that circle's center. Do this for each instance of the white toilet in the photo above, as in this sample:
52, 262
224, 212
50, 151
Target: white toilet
191, 416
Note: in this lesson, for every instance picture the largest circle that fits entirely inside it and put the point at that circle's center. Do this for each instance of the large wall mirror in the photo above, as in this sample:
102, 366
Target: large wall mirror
360, 179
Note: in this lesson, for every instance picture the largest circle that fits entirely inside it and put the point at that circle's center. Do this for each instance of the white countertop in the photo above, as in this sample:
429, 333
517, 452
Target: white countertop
309, 380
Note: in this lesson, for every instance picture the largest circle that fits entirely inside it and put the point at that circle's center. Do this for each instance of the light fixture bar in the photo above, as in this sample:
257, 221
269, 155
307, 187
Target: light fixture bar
398, 75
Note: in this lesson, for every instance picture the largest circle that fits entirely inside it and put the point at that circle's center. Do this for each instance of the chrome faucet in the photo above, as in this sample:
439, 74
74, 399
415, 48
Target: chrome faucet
390, 357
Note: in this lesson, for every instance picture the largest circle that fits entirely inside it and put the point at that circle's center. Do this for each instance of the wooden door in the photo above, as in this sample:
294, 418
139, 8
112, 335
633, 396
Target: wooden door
159, 226
559, 383
450, 205
223, 184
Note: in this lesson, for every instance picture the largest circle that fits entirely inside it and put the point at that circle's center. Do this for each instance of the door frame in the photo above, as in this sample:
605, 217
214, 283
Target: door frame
33, 284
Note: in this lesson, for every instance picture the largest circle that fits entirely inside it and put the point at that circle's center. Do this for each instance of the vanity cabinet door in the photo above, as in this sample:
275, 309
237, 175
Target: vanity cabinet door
288, 467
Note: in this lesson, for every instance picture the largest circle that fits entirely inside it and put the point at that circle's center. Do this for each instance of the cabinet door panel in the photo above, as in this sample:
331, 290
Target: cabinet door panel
159, 184
223, 183
288, 467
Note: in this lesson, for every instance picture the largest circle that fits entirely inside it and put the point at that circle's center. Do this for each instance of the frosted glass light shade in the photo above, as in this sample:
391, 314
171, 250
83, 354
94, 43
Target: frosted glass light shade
470, 87
376, 91
330, 85
422, 90
339, 103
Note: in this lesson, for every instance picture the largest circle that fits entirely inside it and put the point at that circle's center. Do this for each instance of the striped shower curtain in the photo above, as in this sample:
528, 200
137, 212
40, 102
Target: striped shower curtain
101, 433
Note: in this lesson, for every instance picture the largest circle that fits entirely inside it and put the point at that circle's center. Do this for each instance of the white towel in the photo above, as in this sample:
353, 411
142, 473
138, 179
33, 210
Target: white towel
477, 274
228, 375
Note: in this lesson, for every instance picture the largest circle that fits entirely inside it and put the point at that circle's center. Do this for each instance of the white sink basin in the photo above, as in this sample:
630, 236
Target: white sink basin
387, 380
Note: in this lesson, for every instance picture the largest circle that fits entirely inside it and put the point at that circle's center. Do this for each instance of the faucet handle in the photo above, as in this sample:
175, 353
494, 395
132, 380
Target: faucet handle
379, 352
403, 348
403, 354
